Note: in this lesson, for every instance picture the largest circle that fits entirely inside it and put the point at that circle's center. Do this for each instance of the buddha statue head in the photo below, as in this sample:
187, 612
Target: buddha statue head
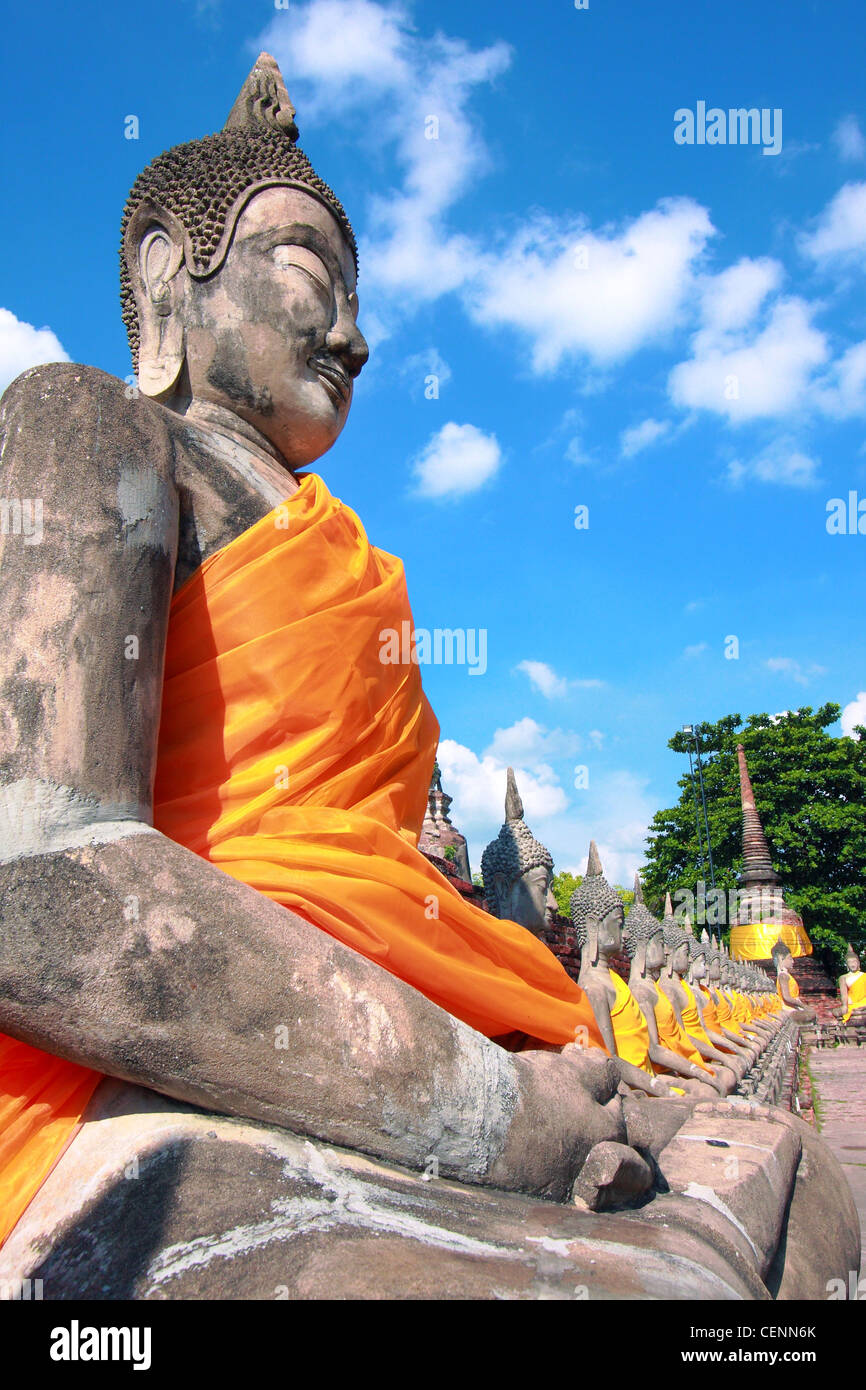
714, 965
643, 938
238, 275
597, 913
852, 960
698, 964
676, 943
518, 870
782, 958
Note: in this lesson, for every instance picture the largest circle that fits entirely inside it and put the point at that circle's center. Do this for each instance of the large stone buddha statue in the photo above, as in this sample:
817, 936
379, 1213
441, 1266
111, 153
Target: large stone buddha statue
211, 787
226, 971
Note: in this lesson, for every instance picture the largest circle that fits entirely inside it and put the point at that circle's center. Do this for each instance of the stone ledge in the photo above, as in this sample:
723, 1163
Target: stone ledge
742, 1167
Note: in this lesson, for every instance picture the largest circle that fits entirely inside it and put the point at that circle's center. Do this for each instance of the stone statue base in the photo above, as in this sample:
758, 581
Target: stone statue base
157, 1200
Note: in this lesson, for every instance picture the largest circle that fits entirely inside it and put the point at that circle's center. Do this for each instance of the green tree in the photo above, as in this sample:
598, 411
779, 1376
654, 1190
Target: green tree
810, 792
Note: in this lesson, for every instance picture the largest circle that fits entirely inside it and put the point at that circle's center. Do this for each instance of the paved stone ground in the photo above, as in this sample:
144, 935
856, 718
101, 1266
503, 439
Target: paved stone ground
839, 1075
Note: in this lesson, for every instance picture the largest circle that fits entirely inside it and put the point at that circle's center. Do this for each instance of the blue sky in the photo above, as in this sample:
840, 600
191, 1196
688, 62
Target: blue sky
671, 335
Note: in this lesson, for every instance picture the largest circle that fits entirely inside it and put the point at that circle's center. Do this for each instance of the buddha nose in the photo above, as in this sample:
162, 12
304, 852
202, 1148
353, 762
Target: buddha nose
346, 341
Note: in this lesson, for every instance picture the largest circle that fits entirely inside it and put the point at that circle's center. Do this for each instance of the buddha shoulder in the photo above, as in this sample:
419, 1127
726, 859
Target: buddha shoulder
70, 426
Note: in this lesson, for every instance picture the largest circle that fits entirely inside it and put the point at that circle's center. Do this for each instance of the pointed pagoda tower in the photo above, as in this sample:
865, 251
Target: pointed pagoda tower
437, 832
762, 916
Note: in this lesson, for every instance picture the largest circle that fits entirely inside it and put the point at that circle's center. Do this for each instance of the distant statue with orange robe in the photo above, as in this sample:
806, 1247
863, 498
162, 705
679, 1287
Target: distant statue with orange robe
786, 985
852, 990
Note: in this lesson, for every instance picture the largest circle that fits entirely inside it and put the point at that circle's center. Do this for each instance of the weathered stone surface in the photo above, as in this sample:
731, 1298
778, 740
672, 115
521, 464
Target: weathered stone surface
821, 1238
743, 1167
612, 1176
155, 1200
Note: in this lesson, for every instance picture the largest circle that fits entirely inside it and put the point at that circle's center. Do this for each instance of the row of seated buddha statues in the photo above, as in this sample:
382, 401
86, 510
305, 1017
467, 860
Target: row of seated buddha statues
689, 1020
212, 785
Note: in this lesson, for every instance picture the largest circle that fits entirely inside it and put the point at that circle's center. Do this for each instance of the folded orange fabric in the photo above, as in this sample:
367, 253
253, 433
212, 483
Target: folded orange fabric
296, 756
298, 761
42, 1099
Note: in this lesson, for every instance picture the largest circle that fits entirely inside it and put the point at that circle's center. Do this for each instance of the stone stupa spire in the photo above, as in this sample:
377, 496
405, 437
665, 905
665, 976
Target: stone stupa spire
437, 831
762, 916
757, 864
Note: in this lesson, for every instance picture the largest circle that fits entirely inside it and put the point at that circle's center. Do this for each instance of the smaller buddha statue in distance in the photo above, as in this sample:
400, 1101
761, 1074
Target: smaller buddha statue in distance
598, 916
786, 985
676, 988
761, 1022
742, 1053
669, 1049
852, 990
518, 870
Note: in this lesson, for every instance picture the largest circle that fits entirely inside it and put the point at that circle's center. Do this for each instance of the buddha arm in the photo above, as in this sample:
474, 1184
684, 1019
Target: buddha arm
707, 1051
630, 1074
659, 1055
124, 951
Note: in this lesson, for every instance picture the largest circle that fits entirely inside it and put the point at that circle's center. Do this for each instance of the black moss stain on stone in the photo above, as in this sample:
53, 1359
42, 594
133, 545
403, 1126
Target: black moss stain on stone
225, 375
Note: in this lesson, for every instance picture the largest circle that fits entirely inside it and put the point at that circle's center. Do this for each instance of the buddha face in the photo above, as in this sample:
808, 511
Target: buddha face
715, 970
531, 901
852, 961
271, 335
655, 955
680, 959
609, 931
699, 967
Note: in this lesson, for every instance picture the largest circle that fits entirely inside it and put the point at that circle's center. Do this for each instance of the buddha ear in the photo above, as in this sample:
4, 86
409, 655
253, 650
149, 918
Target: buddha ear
154, 248
592, 926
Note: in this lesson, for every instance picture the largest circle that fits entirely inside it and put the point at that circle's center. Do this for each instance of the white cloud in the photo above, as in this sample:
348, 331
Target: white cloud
457, 460
544, 679
614, 811
848, 139
477, 785
841, 229
421, 365
747, 375
574, 292
732, 298
854, 713
532, 745
23, 346
341, 53
641, 436
787, 666
841, 393
781, 462
596, 738
696, 650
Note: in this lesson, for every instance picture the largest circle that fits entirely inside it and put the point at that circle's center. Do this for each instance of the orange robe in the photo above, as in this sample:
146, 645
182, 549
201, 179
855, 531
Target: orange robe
42, 1099
629, 1027
671, 1035
726, 1013
691, 1018
793, 990
711, 1017
856, 993
296, 757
